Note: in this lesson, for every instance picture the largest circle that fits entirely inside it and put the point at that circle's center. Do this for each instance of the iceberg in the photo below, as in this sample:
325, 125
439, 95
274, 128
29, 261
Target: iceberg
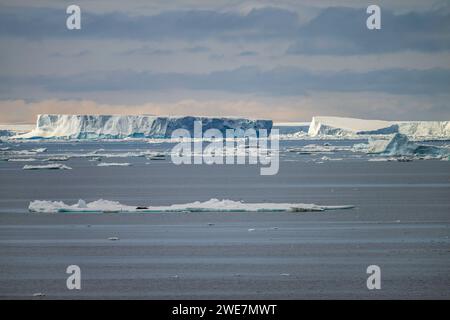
212, 205
65, 126
355, 128
52, 166
400, 145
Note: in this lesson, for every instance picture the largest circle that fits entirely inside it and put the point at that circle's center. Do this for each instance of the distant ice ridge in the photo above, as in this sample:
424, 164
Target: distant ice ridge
212, 205
9, 130
129, 126
354, 128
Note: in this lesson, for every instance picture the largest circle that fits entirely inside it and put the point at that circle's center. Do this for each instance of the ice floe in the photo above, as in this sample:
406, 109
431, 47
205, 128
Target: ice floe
113, 164
21, 160
212, 205
51, 166
314, 148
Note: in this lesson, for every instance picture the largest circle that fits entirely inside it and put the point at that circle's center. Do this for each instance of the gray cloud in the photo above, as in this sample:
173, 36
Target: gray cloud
190, 24
341, 31
278, 81
335, 30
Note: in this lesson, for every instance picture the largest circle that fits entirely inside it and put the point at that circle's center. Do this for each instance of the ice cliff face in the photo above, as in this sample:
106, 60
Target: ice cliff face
122, 126
347, 127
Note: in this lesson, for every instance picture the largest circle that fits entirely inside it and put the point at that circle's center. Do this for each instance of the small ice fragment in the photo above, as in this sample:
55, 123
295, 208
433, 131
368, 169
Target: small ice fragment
285, 274
38, 294
250, 230
113, 238
113, 164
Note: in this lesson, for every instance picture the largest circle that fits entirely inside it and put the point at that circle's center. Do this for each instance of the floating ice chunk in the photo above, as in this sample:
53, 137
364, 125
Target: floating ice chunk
113, 238
39, 150
22, 159
23, 152
57, 158
399, 145
114, 164
212, 205
52, 166
157, 156
314, 148
38, 294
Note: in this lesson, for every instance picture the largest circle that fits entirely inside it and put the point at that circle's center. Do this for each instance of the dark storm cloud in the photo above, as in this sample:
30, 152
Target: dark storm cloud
193, 24
341, 31
335, 31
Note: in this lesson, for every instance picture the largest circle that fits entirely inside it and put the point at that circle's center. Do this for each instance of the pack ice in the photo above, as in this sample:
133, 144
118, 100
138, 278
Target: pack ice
212, 205
130, 126
351, 127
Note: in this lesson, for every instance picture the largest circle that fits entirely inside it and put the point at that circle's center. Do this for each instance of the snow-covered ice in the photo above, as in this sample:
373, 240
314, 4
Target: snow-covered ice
212, 205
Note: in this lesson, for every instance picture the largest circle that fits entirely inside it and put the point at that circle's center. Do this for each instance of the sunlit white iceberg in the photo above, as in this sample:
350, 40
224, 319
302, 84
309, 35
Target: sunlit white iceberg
130, 126
212, 205
354, 128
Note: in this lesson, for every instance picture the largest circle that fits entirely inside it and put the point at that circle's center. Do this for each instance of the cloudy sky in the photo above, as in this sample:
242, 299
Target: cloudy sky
285, 60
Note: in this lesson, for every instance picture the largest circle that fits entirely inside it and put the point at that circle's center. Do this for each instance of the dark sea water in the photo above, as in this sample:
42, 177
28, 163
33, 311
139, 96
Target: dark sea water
401, 223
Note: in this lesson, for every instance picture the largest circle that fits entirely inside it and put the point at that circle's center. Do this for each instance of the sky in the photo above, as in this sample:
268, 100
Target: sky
286, 60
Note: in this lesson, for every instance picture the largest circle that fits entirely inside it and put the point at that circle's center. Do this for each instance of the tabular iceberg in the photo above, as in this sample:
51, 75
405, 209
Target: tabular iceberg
212, 205
351, 127
130, 126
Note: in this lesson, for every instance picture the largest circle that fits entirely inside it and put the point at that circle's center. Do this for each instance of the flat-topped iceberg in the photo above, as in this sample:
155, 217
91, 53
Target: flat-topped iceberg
212, 205
65, 126
351, 127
